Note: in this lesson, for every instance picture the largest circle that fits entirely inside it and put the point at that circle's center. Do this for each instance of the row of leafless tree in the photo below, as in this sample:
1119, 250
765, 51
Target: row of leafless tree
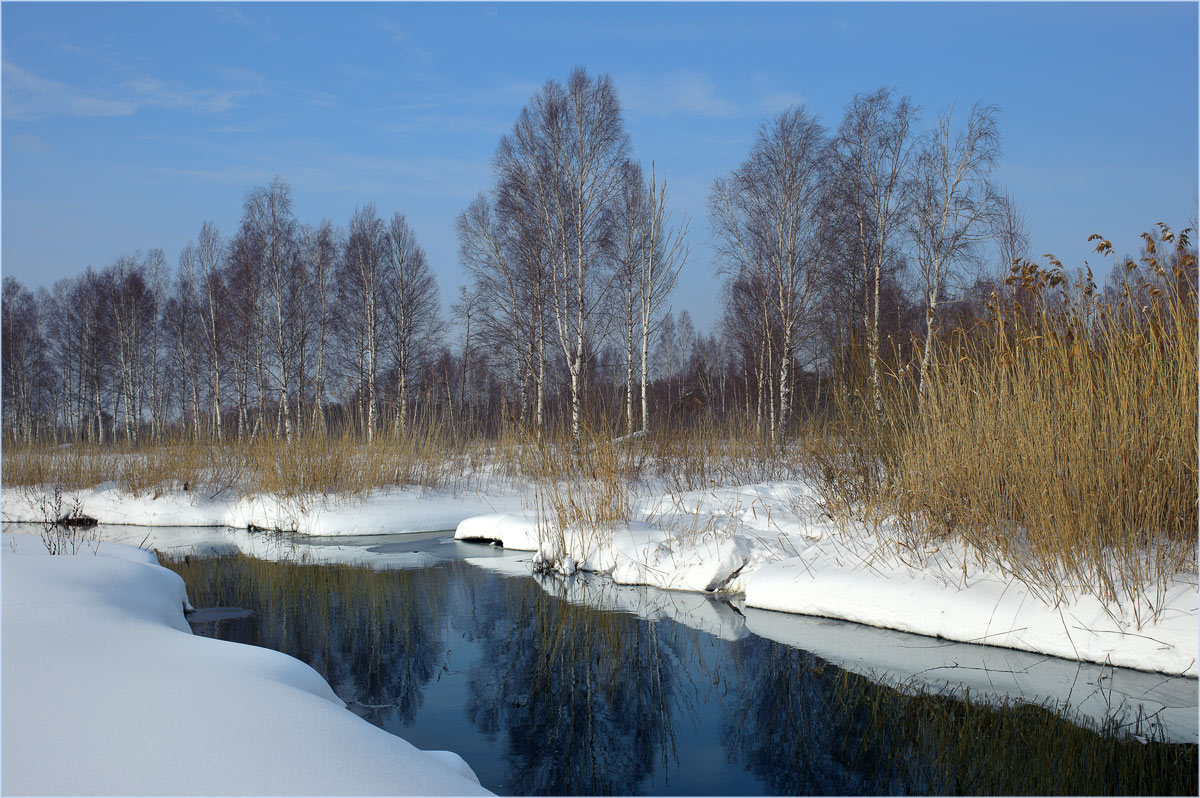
251, 334
573, 245
816, 229
822, 238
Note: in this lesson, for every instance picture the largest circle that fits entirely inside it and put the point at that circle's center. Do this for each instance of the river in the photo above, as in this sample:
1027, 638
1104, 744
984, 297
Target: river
546, 685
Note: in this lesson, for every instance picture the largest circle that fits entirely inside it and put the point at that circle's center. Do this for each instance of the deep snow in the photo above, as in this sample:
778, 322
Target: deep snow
107, 692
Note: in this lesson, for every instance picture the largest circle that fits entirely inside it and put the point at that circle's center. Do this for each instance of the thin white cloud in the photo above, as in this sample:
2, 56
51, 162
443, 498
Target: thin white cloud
456, 123
28, 97
781, 101
245, 79
326, 169
400, 36
244, 176
394, 31
25, 143
680, 92
231, 15
355, 72
157, 94
252, 127
318, 98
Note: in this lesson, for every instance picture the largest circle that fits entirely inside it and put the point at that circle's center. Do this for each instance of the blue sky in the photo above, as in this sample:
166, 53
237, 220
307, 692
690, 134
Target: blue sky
125, 126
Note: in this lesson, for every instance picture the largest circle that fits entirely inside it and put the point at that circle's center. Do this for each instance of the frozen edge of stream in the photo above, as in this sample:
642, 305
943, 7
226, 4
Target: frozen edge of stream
762, 540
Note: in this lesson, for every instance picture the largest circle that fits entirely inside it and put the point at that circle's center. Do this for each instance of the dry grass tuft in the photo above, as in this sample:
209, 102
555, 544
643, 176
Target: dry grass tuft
426, 456
1056, 435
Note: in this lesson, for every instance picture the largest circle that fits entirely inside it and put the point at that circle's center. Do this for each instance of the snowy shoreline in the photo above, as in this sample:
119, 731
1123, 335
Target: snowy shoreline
769, 541
857, 580
107, 692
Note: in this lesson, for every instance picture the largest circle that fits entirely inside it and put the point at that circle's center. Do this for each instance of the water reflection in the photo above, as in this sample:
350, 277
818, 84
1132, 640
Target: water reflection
584, 699
372, 634
543, 693
806, 727
783, 721
577, 701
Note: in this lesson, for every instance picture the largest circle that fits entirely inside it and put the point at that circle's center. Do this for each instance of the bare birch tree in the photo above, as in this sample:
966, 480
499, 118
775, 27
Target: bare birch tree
1011, 230
410, 307
650, 251
874, 146
630, 244
268, 212
768, 228
509, 287
562, 164
663, 254
156, 267
22, 357
362, 284
466, 310
318, 249
209, 258
954, 206
242, 289
184, 317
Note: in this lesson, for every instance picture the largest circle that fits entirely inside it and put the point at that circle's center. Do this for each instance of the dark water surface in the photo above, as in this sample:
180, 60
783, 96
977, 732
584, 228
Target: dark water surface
550, 686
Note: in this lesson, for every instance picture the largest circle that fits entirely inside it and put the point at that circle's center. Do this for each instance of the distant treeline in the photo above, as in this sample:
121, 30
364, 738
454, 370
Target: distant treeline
829, 242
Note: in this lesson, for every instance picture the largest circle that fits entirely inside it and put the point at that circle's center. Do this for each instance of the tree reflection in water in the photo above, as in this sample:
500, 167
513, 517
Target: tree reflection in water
584, 698
786, 724
373, 635
574, 699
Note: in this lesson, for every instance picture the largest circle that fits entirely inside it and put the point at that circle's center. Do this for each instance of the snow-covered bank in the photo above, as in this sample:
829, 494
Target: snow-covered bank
384, 512
694, 610
771, 542
992, 609
107, 692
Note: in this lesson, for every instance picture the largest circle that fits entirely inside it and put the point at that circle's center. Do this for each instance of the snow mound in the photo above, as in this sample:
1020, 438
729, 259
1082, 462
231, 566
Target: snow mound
107, 692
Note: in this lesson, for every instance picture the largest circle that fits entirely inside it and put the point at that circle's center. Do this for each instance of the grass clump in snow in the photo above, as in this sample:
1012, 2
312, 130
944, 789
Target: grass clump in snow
581, 490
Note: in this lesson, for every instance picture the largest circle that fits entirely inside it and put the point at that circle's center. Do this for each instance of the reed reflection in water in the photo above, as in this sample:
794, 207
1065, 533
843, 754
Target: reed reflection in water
542, 695
806, 727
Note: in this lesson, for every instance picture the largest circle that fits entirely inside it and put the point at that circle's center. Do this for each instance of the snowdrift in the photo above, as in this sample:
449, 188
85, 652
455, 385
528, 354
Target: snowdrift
107, 692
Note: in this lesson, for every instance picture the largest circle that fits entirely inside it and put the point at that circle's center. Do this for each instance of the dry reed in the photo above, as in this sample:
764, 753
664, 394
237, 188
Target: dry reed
1056, 436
